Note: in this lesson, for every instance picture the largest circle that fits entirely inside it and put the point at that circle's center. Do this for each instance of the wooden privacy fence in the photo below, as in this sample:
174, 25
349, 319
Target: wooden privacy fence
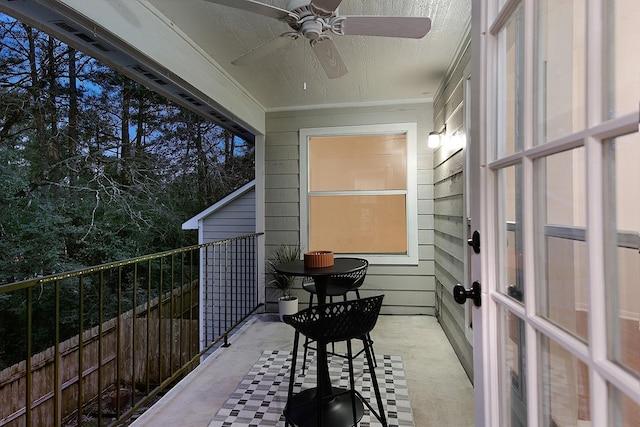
99, 371
137, 351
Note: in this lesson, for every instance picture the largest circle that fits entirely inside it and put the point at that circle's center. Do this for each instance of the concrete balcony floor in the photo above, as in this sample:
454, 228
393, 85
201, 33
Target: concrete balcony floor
440, 391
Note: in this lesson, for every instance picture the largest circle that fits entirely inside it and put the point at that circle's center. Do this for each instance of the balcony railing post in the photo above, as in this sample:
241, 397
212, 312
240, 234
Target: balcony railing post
29, 368
100, 342
80, 345
57, 393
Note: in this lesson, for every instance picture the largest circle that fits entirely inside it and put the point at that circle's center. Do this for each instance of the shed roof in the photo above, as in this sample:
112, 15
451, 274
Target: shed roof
192, 224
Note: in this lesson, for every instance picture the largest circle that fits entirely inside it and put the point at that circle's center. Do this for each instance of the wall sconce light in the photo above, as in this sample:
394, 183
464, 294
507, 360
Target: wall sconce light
434, 139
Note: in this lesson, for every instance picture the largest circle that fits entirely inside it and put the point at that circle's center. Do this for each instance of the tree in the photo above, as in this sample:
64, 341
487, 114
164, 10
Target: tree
96, 168
96, 154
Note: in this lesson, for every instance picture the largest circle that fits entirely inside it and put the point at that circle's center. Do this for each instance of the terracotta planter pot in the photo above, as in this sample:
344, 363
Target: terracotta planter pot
318, 259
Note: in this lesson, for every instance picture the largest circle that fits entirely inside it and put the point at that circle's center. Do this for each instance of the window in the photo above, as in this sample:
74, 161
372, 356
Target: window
358, 192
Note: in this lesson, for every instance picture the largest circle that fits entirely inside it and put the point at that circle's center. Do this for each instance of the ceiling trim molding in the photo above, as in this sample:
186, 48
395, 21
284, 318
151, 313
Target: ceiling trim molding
353, 104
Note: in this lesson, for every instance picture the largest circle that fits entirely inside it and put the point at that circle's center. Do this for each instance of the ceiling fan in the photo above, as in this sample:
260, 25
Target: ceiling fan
317, 20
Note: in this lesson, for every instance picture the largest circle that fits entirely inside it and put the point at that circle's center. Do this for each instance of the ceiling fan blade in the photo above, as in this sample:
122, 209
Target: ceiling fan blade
266, 48
411, 27
257, 7
329, 57
324, 7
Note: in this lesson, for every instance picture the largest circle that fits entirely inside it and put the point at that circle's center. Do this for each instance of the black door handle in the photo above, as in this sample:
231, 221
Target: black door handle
474, 242
460, 294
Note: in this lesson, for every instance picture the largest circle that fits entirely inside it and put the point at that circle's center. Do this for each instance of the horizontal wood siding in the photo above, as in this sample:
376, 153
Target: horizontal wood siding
451, 317
407, 289
237, 218
449, 210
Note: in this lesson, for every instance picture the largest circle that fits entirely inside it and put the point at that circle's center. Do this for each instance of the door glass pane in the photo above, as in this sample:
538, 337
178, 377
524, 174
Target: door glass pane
513, 389
564, 387
560, 68
623, 263
510, 231
623, 411
560, 240
510, 86
622, 70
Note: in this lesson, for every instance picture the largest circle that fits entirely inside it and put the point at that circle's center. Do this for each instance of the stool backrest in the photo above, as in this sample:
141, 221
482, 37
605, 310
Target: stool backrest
353, 279
338, 321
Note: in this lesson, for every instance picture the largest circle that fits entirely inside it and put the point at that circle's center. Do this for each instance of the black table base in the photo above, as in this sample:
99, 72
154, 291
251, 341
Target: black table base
337, 411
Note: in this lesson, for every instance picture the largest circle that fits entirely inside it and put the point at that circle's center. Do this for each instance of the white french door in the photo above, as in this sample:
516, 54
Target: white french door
555, 194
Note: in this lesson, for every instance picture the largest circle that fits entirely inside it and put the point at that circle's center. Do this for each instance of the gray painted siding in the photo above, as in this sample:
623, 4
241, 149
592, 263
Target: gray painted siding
449, 211
407, 289
237, 218
234, 219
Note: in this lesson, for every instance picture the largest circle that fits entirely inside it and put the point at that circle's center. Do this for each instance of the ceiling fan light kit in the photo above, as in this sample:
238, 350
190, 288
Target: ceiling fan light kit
317, 20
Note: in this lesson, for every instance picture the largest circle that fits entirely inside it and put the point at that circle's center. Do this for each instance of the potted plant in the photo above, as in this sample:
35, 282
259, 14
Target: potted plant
287, 304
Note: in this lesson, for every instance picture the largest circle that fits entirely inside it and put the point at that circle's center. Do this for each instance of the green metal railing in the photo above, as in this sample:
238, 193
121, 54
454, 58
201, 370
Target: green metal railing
92, 346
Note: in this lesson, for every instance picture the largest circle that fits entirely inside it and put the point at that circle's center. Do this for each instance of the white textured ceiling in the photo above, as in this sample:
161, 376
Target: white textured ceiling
381, 69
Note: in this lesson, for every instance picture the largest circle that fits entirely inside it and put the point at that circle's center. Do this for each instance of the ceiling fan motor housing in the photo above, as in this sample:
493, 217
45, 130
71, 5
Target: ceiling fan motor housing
311, 29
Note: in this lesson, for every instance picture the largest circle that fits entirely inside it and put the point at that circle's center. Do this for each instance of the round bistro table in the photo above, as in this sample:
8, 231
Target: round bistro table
337, 411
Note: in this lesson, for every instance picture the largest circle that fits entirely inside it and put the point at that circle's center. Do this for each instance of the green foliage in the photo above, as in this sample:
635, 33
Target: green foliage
282, 254
101, 170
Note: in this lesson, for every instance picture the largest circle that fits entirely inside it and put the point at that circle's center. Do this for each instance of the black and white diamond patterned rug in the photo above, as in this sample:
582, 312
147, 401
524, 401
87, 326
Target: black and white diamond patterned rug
262, 394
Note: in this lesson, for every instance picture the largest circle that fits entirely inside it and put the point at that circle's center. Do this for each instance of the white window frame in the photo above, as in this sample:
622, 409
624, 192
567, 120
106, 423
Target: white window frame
408, 129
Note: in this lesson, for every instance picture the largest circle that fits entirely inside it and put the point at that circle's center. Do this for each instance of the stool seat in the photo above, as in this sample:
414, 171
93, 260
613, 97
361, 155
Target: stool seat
337, 286
331, 323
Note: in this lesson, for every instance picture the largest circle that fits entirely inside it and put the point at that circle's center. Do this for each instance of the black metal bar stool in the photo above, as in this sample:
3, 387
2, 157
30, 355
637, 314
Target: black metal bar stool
326, 405
339, 285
